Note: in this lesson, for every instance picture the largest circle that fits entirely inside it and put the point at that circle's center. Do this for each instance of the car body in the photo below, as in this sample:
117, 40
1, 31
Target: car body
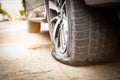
83, 32
102, 2
35, 10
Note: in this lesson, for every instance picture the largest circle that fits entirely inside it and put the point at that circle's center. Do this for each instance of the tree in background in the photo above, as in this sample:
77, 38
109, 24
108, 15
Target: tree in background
4, 12
22, 13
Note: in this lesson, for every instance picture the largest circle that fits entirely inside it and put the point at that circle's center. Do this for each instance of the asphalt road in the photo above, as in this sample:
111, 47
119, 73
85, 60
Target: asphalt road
27, 56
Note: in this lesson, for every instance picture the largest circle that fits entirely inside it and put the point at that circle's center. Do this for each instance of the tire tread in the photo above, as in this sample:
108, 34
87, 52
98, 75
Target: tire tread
97, 28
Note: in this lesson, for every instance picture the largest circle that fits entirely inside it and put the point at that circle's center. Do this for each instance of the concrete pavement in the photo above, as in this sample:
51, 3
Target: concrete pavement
25, 56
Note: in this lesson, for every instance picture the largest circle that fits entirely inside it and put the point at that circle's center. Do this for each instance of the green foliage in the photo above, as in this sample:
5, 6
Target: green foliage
4, 12
22, 13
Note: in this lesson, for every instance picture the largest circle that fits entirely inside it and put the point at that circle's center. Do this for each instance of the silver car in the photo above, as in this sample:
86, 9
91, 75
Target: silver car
83, 32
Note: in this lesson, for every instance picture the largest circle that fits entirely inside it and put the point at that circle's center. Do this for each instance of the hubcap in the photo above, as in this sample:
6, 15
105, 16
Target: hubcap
60, 26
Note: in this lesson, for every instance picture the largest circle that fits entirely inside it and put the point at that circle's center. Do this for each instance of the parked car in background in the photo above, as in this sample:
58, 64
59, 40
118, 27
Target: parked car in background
83, 32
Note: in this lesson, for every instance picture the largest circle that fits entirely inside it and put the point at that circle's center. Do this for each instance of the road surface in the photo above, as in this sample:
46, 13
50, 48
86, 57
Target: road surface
27, 56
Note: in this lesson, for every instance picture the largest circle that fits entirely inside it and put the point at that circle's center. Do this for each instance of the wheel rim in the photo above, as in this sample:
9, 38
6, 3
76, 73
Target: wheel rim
60, 27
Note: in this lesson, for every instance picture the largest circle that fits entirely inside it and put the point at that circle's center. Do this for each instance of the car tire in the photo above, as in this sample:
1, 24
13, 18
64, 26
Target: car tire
90, 33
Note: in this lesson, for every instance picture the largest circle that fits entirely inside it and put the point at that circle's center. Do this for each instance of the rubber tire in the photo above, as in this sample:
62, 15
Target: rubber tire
34, 27
91, 36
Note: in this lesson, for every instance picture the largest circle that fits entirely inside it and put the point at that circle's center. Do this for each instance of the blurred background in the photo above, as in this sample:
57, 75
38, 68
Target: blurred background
11, 10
